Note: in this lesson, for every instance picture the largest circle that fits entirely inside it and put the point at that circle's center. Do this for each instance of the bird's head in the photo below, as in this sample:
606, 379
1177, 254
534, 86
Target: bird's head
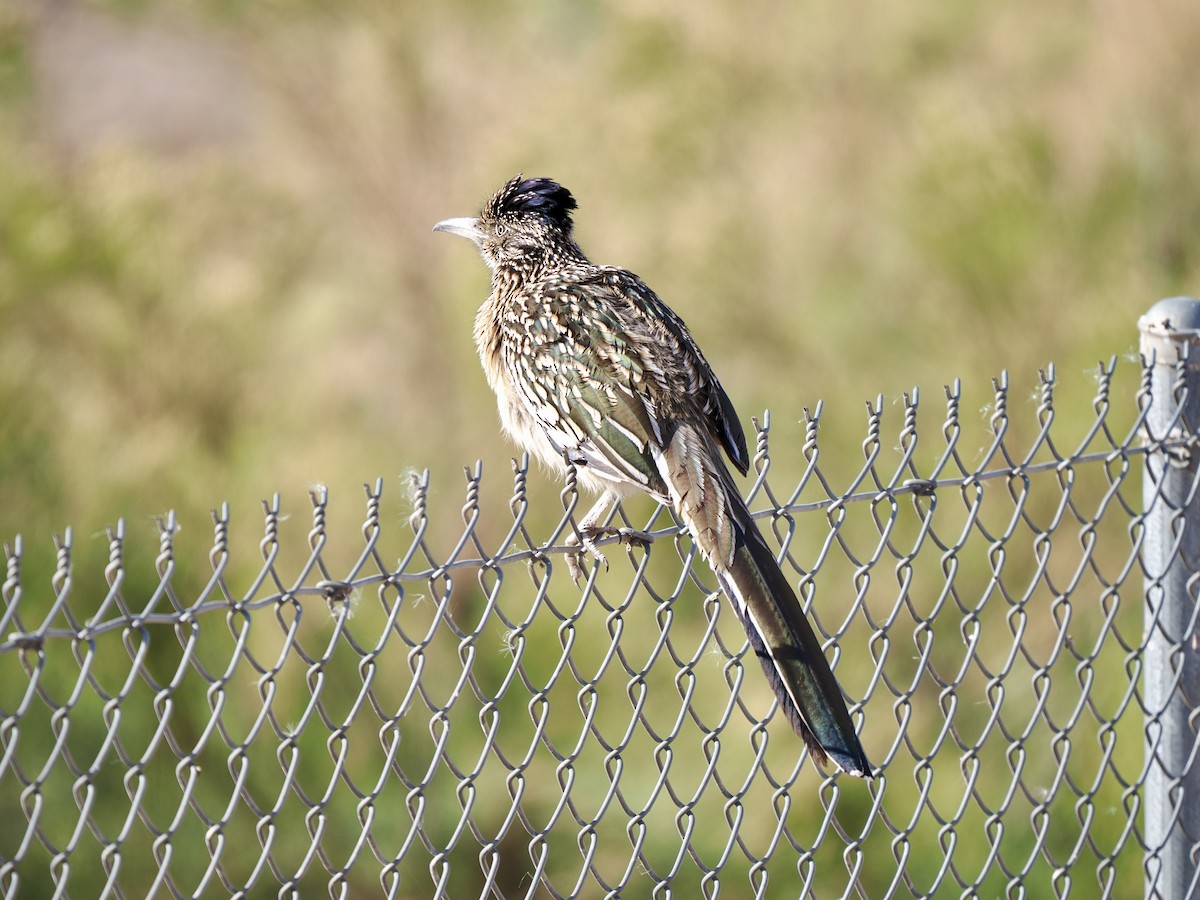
528, 220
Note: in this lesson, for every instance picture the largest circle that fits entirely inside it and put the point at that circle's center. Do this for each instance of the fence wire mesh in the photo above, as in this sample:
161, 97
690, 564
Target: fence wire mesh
470, 722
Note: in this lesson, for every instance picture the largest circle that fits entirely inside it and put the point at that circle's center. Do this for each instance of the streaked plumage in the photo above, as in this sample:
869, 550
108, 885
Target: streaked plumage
589, 364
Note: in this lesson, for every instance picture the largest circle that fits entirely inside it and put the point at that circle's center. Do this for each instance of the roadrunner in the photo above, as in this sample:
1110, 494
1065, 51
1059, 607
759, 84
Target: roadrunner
592, 369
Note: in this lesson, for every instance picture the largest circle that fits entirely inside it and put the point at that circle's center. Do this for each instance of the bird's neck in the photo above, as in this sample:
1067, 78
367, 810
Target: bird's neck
531, 266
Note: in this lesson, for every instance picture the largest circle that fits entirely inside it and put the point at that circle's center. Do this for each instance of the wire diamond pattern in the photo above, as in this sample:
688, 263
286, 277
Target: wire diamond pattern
471, 723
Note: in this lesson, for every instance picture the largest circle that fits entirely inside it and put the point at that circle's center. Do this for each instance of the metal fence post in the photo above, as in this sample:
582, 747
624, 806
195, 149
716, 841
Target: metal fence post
1170, 330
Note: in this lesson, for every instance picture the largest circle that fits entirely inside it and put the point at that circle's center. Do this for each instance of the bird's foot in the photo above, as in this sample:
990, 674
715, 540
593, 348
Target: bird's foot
585, 540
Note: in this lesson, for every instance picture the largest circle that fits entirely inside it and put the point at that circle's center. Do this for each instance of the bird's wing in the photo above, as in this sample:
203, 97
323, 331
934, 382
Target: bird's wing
585, 386
613, 346
617, 385
703, 385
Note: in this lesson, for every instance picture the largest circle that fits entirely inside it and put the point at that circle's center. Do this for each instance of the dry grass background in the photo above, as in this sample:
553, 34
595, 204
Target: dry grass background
218, 279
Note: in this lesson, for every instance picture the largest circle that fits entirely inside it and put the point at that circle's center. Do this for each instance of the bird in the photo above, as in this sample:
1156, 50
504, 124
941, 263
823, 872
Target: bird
591, 370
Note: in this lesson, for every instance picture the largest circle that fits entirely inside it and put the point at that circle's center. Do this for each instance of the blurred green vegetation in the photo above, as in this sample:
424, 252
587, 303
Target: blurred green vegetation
218, 279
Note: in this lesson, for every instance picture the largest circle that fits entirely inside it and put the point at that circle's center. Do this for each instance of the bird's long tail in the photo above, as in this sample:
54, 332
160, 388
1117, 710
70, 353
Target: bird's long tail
788, 650
709, 502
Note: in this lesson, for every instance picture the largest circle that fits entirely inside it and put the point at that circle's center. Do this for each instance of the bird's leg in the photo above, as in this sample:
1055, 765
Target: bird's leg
586, 533
589, 529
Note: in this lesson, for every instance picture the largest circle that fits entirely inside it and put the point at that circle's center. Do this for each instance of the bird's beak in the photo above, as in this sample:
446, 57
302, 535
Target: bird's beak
467, 227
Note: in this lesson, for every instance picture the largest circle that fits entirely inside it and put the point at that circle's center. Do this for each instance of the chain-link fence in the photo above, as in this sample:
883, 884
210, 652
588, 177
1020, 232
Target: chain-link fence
464, 720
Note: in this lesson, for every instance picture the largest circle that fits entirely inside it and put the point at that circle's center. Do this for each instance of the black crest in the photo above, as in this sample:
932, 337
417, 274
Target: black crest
538, 196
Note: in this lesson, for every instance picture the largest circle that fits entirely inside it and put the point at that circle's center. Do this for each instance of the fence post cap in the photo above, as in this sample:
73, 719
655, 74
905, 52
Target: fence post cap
1168, 329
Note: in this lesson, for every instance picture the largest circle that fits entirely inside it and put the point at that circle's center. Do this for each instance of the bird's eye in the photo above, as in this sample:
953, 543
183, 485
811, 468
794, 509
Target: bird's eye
500, 229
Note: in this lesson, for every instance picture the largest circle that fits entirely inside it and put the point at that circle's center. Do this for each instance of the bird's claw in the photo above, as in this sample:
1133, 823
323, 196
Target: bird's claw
585, 540
573, 563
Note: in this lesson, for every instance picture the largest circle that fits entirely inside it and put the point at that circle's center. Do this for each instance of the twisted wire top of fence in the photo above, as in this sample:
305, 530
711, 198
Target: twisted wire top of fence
1098, 445
483, 726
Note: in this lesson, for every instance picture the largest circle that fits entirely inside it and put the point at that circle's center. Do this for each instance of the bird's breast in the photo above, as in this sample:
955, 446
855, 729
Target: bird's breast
499, 335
